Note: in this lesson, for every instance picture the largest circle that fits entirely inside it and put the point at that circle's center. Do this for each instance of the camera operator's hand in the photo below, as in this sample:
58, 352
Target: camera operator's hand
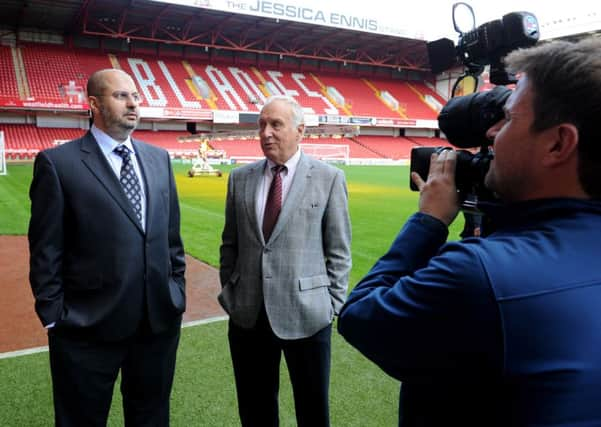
438, 194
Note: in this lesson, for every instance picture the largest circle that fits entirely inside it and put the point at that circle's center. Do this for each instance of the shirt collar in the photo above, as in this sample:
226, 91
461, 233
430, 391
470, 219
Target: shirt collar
291, 164
108, 144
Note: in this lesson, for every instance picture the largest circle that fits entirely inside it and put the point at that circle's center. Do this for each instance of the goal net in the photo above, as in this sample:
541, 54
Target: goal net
2, 155
333, 153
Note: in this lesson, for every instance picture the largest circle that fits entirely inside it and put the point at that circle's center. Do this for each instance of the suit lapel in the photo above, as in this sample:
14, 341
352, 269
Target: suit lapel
251, 186
94, 160
295, 194
147, 163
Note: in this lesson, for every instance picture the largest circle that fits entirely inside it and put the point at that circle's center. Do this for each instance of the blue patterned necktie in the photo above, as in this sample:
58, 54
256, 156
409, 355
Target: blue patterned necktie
274, 202
129, 180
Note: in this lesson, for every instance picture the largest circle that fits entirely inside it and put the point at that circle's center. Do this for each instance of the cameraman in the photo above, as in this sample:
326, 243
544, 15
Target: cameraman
503, 330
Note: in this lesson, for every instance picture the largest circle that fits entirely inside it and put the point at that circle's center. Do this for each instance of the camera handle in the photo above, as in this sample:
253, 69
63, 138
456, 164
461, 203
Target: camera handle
477, 222
473, 217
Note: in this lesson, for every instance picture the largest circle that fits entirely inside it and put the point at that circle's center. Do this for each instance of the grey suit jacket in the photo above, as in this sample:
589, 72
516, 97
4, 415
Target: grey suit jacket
301, 274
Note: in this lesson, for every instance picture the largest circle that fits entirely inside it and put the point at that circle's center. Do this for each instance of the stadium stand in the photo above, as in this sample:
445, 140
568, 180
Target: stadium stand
52, 136
167, 83
92, 60
8, 81
360, 98
50, 69
23, 142
391, 148
356, 149
429, 142
183, 79
238, 148
411, 96
169, 140
55, 73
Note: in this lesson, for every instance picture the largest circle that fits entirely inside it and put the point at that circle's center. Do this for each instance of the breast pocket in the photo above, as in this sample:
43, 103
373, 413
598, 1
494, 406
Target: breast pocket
313, 282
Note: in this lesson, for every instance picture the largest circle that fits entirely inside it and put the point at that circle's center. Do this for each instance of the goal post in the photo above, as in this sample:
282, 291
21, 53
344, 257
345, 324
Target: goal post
2, 154
331, 153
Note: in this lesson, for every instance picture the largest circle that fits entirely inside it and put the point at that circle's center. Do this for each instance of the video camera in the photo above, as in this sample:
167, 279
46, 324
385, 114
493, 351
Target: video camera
485, 45
465, 119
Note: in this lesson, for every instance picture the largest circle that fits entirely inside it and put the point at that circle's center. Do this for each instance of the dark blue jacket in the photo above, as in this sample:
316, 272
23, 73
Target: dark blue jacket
503, 330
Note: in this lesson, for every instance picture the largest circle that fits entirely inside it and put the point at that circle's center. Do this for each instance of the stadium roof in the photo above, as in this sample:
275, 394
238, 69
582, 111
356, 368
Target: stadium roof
144, 20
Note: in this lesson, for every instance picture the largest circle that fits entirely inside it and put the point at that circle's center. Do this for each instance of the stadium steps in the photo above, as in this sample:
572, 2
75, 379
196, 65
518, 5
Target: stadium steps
395, 148
346, 107
20, 75
401, 109
210, 99
358, 95
422, 96
411, 105
367, 147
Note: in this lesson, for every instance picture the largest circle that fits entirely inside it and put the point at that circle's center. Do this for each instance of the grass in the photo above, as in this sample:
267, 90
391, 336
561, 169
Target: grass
203, 393
14, 200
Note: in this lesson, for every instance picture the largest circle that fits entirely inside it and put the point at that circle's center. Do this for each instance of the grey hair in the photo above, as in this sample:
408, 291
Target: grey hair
298, 115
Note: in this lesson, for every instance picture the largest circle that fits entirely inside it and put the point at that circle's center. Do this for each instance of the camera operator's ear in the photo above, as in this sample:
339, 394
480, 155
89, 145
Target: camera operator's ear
562, 145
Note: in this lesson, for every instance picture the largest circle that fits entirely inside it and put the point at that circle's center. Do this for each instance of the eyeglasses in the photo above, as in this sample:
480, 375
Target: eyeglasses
124, 96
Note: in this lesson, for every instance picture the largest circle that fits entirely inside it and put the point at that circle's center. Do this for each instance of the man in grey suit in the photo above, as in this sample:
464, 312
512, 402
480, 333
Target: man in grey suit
107, 264
284, 276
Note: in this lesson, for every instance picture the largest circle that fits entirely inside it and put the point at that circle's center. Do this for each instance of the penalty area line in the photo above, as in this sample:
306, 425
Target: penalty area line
25, 352
34, 350
204, 321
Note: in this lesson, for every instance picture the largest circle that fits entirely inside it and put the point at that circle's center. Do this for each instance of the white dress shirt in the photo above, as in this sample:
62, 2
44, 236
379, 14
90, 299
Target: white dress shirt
287, 176
107, 145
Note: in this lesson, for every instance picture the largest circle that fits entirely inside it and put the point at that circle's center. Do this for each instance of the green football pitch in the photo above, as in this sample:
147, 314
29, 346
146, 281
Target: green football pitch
204, 394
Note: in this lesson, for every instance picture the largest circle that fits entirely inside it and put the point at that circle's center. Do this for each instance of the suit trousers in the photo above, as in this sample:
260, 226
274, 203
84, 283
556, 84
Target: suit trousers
84, 371
256, 355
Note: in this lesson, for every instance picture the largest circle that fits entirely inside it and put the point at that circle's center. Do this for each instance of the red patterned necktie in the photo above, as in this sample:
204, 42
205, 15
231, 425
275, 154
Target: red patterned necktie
274, 202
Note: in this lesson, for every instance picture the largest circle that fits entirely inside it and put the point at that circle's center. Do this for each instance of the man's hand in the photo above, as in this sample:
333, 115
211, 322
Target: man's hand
438, 194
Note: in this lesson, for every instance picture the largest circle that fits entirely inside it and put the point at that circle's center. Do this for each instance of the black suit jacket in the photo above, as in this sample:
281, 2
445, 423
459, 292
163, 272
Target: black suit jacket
92, 267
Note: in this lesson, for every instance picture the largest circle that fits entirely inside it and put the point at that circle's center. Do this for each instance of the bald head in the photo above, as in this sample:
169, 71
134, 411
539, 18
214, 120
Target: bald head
98, 81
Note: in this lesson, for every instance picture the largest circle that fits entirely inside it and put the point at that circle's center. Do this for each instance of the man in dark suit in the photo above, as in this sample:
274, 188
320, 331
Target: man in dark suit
107, 264
284, 274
